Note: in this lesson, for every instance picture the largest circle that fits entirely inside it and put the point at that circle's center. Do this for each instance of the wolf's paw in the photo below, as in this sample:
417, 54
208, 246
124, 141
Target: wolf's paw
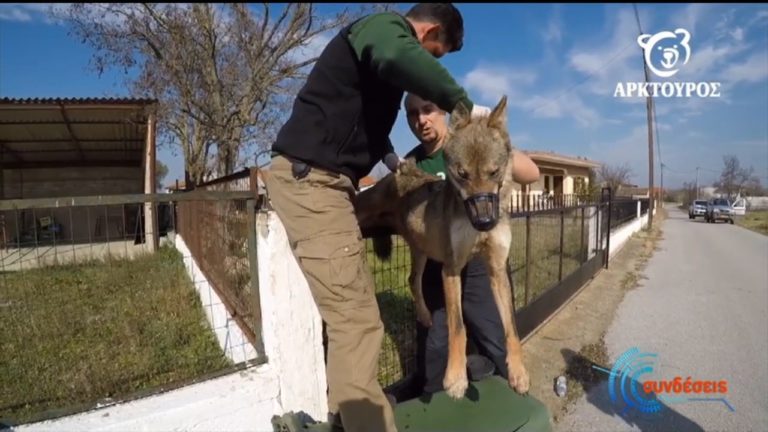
423, 315
455, 385
518, 377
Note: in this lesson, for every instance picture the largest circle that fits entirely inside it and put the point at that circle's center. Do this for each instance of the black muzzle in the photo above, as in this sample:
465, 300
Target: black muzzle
483, 210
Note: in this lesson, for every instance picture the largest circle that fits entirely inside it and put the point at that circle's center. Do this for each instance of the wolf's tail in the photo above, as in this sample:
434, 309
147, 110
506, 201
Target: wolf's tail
382, 247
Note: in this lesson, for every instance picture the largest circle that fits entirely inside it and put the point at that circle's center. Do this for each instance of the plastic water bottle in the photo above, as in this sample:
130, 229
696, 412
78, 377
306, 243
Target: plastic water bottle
561, 386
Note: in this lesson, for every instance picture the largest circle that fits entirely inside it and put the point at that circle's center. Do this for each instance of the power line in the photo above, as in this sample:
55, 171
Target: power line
591, 75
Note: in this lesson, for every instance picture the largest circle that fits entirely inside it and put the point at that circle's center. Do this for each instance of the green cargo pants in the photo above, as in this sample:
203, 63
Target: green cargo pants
319, 219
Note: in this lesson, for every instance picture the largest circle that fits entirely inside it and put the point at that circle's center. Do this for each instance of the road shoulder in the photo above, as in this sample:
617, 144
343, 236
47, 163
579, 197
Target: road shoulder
573, 339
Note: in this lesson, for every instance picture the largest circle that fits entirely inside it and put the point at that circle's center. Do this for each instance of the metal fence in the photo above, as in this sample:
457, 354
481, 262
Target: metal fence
98, 303
555, 250
535, 201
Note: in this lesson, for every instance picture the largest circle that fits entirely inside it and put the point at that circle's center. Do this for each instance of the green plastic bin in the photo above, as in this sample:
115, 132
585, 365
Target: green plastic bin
489, 405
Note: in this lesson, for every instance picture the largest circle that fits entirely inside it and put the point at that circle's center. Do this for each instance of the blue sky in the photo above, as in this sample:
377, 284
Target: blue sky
557, 64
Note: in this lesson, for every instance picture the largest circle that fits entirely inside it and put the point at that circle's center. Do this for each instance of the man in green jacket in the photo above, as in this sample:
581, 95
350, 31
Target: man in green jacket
337, 132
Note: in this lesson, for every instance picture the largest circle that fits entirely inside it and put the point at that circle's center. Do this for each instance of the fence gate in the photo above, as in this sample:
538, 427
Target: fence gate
542, 298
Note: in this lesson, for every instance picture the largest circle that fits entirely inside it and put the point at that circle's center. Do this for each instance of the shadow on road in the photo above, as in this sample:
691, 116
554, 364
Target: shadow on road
596, 386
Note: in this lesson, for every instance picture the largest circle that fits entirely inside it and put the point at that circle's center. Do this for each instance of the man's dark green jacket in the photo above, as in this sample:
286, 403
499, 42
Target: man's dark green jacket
343, 115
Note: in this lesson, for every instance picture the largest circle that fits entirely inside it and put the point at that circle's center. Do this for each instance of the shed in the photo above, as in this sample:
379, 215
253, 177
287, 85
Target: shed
74, 147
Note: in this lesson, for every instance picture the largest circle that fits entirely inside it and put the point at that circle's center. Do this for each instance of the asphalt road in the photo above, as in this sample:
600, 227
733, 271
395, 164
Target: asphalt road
703, 310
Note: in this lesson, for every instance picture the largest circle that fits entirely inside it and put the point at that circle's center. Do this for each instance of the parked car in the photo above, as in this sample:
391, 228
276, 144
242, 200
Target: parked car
719, 209
697, 208
739, 206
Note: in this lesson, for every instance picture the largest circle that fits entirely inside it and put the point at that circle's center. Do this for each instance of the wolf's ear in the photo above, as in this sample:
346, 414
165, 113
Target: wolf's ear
460, 116
498, 117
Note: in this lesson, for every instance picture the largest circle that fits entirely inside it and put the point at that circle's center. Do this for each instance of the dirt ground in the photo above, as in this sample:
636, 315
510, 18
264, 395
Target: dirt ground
571, 341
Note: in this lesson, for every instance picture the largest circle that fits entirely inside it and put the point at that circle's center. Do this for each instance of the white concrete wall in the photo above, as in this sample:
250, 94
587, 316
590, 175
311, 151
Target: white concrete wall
242, 401
622, 234
293, 379
293, 329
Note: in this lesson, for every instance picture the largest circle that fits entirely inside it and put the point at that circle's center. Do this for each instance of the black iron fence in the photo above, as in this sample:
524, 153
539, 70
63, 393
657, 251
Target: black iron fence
99, 303
624, 209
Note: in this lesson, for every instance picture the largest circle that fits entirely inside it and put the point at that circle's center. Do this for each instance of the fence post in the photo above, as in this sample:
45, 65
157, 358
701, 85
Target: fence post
598, 227
638, 209
581, 244
562, 236
608, 228
527, 257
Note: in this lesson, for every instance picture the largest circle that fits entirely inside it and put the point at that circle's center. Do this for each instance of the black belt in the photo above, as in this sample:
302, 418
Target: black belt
301, 169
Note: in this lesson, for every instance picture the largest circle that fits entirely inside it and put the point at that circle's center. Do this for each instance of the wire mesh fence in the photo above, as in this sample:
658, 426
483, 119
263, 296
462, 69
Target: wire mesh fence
104, 298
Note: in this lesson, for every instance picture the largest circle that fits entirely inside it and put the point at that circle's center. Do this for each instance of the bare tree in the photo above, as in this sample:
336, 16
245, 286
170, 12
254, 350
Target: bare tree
688, 192
753, 187
224, 74
161, 171
614, 176
734, 179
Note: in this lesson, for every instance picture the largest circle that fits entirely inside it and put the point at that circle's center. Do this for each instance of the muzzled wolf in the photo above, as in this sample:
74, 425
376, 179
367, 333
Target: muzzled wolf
451, 221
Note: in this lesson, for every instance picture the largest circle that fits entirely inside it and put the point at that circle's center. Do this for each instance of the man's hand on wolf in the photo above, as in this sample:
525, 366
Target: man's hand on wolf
393, 161
480, 111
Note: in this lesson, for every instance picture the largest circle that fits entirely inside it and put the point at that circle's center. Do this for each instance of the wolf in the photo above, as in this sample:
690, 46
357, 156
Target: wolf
451, 221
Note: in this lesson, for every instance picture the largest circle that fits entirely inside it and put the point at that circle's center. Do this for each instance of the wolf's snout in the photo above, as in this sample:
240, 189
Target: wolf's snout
483, 210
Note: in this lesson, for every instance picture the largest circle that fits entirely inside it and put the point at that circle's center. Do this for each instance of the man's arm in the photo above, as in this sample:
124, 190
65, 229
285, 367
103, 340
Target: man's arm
385, 42
525, 171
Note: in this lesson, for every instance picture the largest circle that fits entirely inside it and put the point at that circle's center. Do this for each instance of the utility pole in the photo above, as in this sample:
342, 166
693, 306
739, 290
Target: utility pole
649, 109
658, 147
697, 182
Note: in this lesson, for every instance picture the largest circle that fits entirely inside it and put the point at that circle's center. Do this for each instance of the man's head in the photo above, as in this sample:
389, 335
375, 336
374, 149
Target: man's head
439, 27
427, 121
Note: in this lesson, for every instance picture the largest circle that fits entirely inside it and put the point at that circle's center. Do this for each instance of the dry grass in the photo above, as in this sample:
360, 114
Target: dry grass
74, 334
755, 220
580, 374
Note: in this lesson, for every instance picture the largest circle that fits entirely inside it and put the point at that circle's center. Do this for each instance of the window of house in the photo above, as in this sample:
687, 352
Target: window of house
578, 184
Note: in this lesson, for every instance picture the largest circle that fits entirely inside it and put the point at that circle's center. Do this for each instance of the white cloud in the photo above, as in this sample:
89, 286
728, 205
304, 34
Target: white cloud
761, 15
737, 33
553, 32
566, 105
14, 14
632, 149
754, 69
490, 82
519, 138
30, 12
611, 56
312, 48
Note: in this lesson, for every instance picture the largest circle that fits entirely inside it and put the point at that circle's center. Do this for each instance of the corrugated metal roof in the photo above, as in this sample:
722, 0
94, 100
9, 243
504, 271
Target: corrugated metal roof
73, 101
72, 131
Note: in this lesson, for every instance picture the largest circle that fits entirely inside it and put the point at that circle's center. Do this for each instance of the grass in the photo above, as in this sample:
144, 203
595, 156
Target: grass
755, 220
394, 296
74, 334
580, 374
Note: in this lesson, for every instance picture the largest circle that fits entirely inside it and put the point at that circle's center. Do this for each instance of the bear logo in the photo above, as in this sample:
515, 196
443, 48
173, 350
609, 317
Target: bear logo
670, 47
